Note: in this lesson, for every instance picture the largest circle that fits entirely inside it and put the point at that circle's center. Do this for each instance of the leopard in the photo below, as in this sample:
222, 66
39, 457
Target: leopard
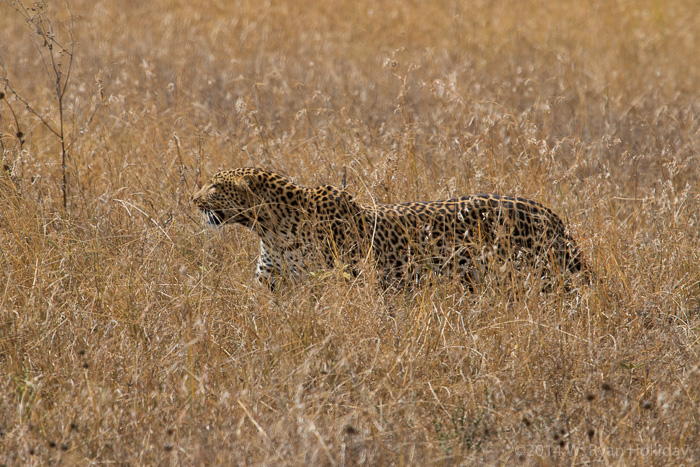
305, 229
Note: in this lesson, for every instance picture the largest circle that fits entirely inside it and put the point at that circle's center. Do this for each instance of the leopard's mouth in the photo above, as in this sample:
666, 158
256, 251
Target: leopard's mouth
213, 218
216, 218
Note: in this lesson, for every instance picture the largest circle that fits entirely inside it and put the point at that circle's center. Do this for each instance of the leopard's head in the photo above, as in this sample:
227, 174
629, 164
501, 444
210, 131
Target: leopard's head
232, 196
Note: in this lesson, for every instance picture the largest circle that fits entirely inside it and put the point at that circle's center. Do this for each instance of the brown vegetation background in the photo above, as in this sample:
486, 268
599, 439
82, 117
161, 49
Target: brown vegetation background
129, 334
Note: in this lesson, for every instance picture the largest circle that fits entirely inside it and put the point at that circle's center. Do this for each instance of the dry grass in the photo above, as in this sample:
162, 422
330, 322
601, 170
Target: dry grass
130, 334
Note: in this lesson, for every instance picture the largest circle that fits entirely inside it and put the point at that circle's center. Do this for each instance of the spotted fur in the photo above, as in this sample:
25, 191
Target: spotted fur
301, 228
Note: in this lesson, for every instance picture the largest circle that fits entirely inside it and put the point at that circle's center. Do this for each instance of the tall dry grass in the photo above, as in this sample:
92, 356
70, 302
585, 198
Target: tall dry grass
130, 334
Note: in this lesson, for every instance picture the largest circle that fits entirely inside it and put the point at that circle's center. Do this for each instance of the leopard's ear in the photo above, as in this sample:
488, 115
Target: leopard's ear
251, 188
247, 182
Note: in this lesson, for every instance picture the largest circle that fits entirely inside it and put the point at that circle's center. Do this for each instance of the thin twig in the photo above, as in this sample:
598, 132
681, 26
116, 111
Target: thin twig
55, 57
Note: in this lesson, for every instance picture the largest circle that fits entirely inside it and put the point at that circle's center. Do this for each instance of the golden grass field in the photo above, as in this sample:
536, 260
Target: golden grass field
130, 334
